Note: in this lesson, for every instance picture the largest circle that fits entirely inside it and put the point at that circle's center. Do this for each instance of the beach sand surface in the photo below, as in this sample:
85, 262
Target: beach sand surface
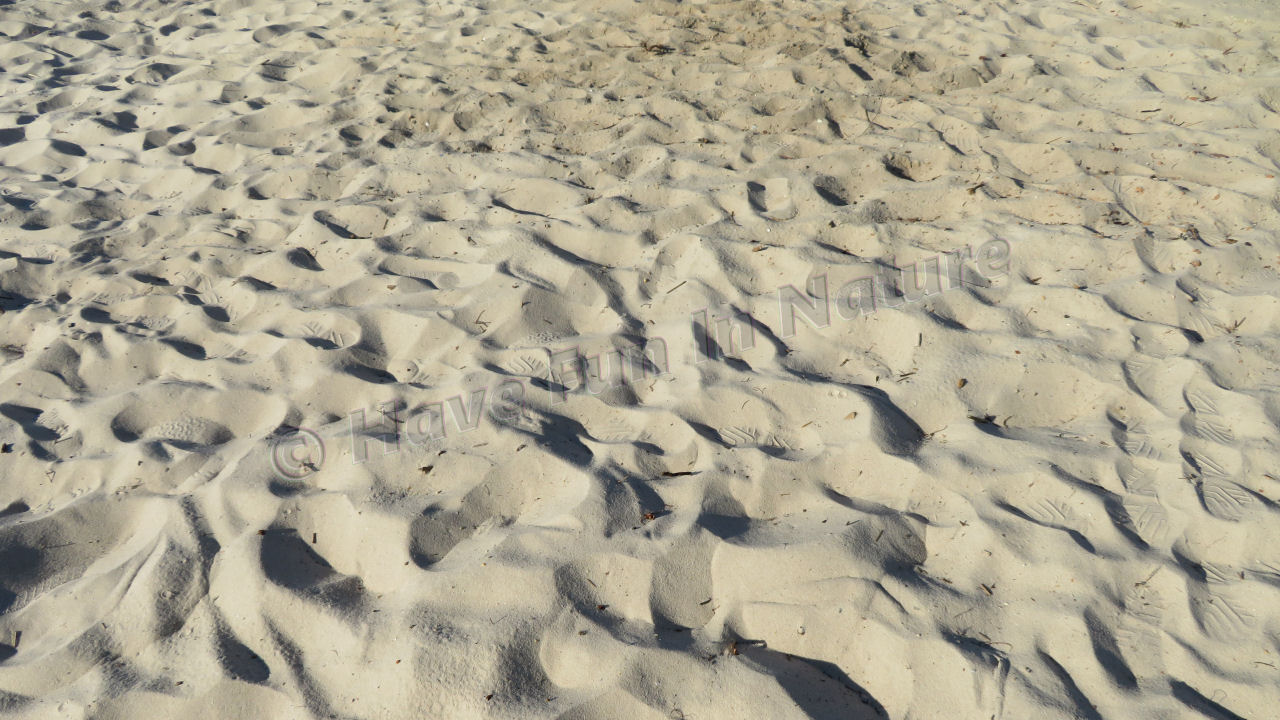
505, 359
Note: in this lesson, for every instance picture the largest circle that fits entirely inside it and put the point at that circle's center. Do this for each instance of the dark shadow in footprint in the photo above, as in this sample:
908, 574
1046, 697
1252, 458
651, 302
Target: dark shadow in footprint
725, 527
1075, 535
894, 431
285, 489
1192, 698
863, 75
303, 258
820, 688
1084, 707
830, 189
27, 417
155, 73
149, 279
1107, 651
22, 204
369, 374
434, 533
503, 204
711, 348
217, 313
289, 561
708, 433
255, 283
68, 148
20, 566
270, 32
239, 661
627, 501
755, 196
10, 301
120, 122
1123, 522
351, 136
97, 315
156, 138
561, 435
186, 349
334, 227
896, 172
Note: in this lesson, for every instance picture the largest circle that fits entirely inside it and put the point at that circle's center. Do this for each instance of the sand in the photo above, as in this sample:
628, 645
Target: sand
658, 360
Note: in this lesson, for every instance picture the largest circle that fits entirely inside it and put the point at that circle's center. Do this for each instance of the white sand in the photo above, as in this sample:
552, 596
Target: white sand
1046, 493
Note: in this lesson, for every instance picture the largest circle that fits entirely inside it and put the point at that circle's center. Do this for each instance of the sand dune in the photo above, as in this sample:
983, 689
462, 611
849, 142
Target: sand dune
661, 360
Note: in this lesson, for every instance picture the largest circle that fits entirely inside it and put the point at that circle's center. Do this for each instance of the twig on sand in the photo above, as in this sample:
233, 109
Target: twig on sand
1231, 327
1148, 578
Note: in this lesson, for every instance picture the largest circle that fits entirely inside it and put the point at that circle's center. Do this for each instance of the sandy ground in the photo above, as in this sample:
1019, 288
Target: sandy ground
745, 359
